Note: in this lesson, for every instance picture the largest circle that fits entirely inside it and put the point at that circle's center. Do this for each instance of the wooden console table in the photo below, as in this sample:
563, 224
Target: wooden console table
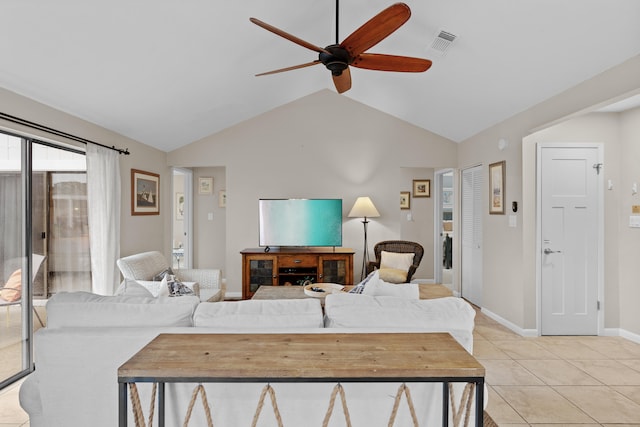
382, 357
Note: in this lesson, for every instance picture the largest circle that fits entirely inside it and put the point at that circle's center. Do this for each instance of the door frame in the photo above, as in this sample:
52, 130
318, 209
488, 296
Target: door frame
188, 215
437, 222
600, 231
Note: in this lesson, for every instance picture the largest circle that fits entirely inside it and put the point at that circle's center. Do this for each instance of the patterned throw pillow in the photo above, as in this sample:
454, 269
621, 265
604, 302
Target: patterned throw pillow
357, 289
158, 277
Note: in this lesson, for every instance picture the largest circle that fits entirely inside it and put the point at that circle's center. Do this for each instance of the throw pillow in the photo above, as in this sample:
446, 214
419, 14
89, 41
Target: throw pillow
393, 275
12, 290
164, 287
158, 277
397, 260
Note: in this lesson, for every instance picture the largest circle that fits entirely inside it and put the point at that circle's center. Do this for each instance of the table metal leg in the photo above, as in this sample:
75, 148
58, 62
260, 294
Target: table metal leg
161, 402
122, 404
480, 403
445, 404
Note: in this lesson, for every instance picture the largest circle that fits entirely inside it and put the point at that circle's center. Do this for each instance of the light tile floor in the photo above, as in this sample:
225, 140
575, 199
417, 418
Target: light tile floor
552, 381
541, 382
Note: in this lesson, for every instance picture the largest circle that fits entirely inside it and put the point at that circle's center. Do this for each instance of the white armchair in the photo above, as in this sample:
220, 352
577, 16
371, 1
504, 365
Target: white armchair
146, 265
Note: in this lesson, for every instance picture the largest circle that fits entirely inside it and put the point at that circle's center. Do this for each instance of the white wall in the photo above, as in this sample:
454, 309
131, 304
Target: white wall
322, 145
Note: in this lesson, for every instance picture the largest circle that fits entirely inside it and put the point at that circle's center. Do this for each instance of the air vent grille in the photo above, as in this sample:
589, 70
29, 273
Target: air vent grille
443, 42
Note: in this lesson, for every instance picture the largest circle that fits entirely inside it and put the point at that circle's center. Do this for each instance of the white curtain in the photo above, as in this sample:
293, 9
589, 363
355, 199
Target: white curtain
103, 197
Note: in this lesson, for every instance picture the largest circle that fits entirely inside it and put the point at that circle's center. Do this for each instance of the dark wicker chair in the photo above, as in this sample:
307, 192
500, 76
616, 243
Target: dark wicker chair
402, 246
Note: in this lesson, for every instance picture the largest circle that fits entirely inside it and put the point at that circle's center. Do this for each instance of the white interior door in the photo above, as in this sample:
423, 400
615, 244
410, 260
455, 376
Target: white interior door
569, 238
471, 235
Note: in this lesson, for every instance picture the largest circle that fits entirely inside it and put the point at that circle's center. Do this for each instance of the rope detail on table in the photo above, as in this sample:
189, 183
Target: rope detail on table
403, 389
337, 389
138, 415
272, 394
465, 400
205, 405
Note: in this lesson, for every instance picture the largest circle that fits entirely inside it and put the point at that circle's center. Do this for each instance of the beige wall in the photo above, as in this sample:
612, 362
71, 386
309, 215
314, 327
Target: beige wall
509, 275
138, 233
209, 235
322, 145
629, 238
419, 227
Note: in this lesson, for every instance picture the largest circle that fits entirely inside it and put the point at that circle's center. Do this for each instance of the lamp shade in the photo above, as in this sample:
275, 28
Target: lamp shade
363, 207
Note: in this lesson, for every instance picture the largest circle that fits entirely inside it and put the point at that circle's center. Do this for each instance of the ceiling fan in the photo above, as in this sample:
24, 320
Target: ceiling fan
351, 52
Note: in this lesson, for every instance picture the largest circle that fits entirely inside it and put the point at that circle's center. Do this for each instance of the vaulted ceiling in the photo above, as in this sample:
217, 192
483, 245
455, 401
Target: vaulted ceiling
169, 72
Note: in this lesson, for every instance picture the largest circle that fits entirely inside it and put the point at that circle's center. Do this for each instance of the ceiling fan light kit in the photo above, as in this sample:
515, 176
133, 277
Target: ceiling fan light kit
351, 52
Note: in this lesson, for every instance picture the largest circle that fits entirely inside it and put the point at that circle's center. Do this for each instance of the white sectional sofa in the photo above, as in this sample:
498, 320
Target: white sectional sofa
89, 336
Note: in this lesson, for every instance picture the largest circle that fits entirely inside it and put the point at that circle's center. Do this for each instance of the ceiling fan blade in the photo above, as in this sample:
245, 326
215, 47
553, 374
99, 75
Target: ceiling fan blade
376, 29
295, 67
376, 61
287, 36
343, 81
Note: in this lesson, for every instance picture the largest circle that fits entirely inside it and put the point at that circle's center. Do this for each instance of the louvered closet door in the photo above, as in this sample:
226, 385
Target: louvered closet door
471, 235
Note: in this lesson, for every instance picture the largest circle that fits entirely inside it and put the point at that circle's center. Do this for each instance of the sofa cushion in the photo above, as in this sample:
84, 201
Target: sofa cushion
84, 309
450, 314
260, 314
382, 288
132, 288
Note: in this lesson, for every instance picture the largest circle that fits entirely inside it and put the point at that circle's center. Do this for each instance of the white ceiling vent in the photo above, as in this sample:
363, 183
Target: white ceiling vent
442, 42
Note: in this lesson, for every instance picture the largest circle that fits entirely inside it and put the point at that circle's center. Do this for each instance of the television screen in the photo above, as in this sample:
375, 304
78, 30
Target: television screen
300, 222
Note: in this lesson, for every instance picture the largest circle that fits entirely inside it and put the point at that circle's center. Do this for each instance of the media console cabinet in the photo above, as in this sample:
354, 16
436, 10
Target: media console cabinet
295, 267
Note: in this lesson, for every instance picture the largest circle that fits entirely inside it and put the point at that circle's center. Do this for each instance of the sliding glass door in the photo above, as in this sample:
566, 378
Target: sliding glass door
45, 240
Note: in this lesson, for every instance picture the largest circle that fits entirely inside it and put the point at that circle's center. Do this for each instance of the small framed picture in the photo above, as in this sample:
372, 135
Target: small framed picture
421, 188
222, 198
496, 187
145, 192
205, 185
405, 200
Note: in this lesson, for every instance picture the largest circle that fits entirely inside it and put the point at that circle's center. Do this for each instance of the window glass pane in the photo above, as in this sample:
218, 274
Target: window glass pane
60, 219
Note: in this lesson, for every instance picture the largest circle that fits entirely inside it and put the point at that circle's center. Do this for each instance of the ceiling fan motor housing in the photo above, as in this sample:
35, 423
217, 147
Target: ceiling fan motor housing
337, 60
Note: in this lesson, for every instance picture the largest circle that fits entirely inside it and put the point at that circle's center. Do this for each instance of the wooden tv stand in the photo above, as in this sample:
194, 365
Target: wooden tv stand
294, 267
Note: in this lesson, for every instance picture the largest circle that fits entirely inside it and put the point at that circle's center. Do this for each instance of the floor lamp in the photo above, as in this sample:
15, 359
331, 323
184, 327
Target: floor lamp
364, 208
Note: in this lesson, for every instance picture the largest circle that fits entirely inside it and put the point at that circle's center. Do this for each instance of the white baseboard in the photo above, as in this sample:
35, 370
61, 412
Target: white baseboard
515, 328
607, 332
617, 332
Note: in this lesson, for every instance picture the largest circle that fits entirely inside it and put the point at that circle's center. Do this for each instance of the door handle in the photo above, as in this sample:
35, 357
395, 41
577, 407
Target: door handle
548, 251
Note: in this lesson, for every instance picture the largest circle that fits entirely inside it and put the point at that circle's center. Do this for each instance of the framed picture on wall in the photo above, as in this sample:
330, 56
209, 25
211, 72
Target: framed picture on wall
421, 188
497, 187
405, 200
205, 185
145, 193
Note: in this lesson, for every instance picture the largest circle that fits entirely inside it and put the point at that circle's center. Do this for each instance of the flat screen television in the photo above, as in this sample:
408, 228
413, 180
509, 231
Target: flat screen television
300, 222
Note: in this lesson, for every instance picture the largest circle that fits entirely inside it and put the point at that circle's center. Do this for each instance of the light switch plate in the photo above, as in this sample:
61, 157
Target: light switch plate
634, 221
